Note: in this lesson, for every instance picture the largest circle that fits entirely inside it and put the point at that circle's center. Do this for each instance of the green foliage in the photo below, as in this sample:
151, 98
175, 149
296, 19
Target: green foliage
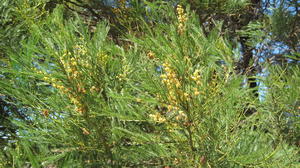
223, 6
284, 24
281, 29
16, 17
255, 32
168, 98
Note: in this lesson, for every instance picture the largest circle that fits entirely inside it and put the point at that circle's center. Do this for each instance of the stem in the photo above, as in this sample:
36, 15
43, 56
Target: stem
190, 138
190, 133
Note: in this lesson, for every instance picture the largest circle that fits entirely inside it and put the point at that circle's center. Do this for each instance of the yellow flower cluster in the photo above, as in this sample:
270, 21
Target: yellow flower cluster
80, 50
60, 87
138, 100
45, 112
75, 100
182, 18
170, 77
79, 107
94, 89
181, 116
38, 71
196, 77
173, 84
85, 131
157, 117
71, 63
175, 92
124, 74
71, 68
150, 55
102, 58
196, 91
81, 89
54, 82
122, 3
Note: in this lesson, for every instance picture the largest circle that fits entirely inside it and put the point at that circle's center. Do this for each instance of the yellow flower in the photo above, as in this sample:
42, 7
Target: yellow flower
182, 18
85, 131
163, 76
150, 55
46, 78
92, 89
186, 94
157, 117
73, 63
138, 100
196, 92
45, 112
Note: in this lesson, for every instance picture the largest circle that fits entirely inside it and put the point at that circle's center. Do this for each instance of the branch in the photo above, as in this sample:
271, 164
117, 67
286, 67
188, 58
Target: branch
90, 9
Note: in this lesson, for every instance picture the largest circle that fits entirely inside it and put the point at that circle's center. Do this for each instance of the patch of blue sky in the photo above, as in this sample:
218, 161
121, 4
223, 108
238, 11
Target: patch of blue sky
109, 2
262, 88
49, 68
276, 4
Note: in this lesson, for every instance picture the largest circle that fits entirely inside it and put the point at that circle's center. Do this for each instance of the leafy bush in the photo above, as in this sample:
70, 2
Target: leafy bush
170, 98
